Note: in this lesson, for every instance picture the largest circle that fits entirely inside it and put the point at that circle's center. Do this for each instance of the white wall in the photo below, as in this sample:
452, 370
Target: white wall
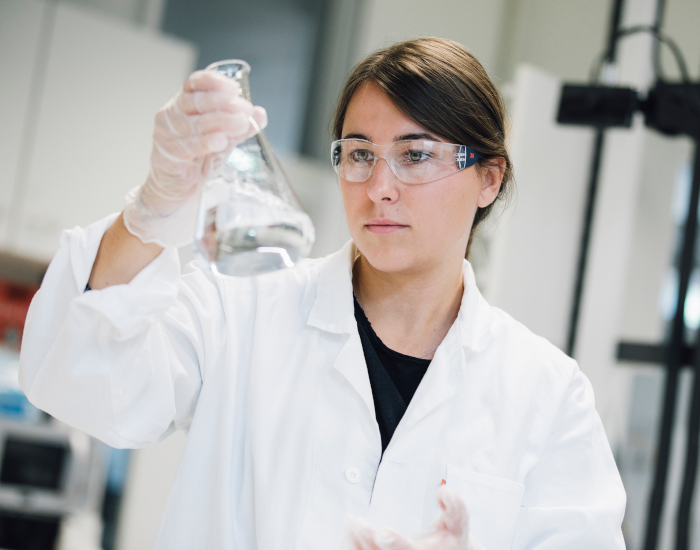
534, 243
561, 37
20, 30
681, 23
86, 115
139, 12
473, 23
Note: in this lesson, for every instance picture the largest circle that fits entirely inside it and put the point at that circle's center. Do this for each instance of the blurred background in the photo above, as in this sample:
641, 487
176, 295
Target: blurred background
83, 79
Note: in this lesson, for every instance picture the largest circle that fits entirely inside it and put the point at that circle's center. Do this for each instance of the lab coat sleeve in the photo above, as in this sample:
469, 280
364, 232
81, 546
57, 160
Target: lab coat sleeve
574, 497
123, 364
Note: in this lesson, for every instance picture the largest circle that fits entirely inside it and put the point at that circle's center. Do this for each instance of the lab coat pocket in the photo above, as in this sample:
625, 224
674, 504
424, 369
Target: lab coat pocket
493, 504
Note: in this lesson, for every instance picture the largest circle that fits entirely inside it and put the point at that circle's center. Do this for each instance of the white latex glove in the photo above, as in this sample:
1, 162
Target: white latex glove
449, 532
205, 119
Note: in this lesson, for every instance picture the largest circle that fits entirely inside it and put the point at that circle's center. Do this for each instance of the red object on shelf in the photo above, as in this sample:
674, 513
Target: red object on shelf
14, 304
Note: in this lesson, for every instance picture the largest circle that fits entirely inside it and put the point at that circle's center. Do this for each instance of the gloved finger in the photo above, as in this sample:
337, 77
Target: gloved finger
197, 103
260, 116
170, 122
454, 512
361, 541
232, 124
166, 198
360, 534
183, 150
211, 81
255, 124
388, 539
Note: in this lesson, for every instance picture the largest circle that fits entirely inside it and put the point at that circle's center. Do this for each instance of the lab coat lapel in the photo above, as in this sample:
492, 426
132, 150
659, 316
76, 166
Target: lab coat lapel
333, 311
471, 332
351, 364
441, 382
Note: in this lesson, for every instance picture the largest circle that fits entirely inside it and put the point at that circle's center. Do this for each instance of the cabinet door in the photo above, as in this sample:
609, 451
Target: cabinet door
20, 30
104, 83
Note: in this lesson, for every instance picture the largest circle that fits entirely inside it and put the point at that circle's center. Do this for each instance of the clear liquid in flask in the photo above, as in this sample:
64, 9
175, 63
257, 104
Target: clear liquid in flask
248, 231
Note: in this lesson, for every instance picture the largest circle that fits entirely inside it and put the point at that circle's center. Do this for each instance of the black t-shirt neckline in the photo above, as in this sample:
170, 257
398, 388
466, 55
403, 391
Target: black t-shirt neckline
394, 377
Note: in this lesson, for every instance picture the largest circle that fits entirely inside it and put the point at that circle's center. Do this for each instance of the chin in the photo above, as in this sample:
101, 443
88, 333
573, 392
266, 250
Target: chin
388, 258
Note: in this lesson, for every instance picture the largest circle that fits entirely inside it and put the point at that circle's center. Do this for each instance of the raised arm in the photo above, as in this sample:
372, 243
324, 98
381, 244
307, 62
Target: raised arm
125, 362
120, 257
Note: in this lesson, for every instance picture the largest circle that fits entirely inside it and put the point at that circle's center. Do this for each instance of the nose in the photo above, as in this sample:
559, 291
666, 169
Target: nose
383, 183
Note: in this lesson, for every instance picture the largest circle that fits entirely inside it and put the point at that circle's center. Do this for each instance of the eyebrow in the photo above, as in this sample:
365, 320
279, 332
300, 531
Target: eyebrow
356, 136
423, 135
403, 137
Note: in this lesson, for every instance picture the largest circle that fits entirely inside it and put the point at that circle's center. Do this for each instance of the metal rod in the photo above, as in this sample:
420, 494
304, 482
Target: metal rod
656, 52
615, 24
693, 440
651, 353
591, 194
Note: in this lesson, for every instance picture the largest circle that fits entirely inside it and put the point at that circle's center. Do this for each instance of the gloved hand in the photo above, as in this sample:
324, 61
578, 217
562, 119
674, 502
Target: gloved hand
199, 124
449, 532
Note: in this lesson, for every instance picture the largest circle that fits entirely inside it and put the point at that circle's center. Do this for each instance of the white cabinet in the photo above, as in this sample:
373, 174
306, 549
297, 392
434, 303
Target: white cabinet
20, 28
104, 81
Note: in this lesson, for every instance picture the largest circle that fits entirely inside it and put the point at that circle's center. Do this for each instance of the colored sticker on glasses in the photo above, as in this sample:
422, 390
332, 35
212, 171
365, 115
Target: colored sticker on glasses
461, 157
464, 157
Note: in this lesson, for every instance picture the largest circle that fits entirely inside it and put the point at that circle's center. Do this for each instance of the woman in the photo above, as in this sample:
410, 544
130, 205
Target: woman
355, 385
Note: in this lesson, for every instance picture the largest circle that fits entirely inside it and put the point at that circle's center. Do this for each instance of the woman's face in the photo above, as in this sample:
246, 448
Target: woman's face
400, 227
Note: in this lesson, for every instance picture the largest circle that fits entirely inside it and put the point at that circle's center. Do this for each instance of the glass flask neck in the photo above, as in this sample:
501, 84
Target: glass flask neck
237, 69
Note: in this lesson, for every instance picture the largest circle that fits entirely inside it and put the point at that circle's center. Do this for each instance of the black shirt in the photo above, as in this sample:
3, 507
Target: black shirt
394, 377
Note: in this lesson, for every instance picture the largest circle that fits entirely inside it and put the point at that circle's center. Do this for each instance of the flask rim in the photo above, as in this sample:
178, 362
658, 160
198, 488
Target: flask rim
218, 66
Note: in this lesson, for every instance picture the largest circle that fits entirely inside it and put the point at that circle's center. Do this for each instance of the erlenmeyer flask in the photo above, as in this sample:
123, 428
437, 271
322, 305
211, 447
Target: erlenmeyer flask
250, 221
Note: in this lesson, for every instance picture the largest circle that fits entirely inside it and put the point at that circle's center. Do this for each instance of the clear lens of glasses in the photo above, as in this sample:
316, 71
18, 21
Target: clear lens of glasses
411, 161
250, 221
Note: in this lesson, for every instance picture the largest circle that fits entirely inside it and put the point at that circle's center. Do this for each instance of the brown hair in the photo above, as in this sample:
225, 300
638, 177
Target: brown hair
442, 87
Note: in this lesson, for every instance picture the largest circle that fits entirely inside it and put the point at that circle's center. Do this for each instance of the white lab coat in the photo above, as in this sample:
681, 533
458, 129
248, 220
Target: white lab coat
268, 377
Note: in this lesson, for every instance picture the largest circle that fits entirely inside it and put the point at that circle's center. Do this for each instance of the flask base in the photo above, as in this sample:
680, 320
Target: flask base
248, 251
263, 259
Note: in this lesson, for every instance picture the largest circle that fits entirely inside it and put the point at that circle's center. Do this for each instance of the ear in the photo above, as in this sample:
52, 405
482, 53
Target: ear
491, 181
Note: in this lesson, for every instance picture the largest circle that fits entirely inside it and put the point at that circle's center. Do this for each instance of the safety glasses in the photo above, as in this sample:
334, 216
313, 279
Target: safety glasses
412, 161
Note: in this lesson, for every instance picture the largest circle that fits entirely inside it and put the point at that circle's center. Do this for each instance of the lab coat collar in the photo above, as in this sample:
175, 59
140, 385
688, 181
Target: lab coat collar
475, 315
333, 309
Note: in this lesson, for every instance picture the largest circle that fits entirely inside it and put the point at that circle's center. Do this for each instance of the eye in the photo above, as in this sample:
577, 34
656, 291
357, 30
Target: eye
361, 155
414, 155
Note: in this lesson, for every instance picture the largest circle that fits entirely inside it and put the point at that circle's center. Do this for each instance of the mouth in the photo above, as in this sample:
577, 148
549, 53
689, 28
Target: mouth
384, 227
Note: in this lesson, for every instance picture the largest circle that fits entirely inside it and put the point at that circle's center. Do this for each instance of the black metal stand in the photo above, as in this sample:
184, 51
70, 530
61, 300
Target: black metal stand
675, 355
669, 113
591, 193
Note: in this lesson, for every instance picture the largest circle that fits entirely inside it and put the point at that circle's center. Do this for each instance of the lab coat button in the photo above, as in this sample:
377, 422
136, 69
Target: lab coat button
353, 475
